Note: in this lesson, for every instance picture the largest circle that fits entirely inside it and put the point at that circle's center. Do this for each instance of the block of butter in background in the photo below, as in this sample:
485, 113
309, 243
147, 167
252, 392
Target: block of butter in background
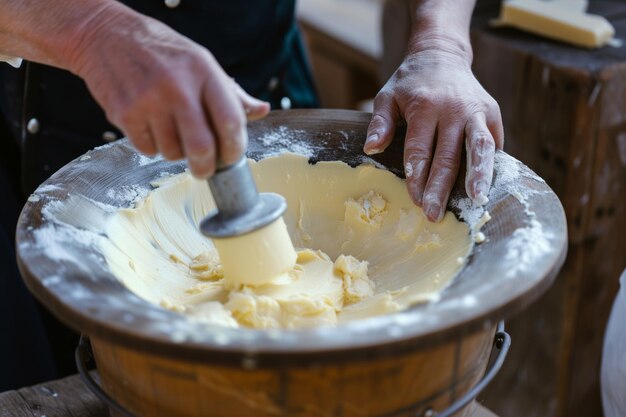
579, 5
561, 20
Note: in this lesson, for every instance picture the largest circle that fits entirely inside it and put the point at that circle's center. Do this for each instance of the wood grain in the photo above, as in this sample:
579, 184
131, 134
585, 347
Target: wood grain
564, 112
66, 397
74, 400
404, 385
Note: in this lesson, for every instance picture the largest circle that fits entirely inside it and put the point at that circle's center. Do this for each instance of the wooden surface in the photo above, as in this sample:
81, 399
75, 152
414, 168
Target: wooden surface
69, 397
564, 112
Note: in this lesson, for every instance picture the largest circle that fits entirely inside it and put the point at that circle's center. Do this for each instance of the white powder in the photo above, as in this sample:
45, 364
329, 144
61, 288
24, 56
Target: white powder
528, 245
59, 242
130, 194
48, 188
143, 160
284, 139
508, 175
366, 160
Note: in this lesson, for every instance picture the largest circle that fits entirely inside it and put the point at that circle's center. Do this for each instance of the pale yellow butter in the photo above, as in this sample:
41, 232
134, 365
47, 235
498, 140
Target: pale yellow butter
555, 20
364, 249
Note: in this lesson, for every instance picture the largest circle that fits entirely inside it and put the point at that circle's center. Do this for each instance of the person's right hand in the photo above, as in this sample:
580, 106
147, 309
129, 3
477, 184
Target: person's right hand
165, 92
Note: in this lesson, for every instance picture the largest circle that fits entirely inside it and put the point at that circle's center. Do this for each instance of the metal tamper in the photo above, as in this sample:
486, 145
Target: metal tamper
240, 207
247, 228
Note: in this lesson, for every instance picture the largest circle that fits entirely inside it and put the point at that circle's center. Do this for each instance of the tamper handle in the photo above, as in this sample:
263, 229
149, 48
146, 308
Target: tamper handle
233, 188
241, 208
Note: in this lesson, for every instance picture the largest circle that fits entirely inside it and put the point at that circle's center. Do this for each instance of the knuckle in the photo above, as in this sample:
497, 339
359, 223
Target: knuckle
232, 124
481, 140
447, 160
170, 150
378, 121
417, 149
493, 105
382, 98
195, 144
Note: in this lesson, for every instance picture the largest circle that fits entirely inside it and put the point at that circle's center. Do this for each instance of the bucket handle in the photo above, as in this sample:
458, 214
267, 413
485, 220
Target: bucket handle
502, 342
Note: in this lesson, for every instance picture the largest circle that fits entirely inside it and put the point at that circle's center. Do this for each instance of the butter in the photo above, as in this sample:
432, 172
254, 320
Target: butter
363, 249
269, 251
557, 20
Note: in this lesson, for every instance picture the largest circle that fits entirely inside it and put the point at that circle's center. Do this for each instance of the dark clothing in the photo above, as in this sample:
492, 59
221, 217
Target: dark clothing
257, 43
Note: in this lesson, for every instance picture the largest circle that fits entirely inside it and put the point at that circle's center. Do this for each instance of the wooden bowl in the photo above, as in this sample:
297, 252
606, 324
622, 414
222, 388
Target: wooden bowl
158, 363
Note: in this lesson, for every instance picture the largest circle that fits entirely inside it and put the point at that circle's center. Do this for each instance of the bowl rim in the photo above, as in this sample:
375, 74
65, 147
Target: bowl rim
171, 334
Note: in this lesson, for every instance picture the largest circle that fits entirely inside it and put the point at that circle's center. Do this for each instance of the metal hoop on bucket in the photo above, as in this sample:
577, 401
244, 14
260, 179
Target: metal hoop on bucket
502, 342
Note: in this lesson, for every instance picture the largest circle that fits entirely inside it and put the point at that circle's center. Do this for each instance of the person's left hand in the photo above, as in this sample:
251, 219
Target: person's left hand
444, 106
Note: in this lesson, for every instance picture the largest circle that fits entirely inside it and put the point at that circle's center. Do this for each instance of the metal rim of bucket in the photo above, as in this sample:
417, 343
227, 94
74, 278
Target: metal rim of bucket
501, 342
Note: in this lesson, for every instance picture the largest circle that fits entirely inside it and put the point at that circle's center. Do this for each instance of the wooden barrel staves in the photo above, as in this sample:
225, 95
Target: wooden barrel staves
154, 362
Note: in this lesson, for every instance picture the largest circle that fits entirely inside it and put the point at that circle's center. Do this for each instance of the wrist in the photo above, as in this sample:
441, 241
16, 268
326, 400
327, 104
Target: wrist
438, 41
442, 26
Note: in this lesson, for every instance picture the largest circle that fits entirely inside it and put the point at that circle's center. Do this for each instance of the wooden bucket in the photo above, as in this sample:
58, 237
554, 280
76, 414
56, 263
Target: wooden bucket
155, 362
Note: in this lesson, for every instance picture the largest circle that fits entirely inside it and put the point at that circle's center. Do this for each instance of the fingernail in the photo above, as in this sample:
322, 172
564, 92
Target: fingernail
415, 193
369, 147
481, 188
371, 138
433, 212
408, 170
480, 200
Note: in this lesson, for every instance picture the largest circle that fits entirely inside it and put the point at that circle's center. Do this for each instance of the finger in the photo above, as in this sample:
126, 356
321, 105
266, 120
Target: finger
254, 108
418, 153
141, 138
383, 124
197, 138
480, 150
494, 123
165, 134
227, 118
444, 169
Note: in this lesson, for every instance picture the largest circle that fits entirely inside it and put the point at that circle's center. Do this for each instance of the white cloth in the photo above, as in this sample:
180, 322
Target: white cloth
613, 373
12, 61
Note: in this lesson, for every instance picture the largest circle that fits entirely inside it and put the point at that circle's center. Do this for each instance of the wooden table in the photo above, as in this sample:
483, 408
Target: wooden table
69, 397
564, 113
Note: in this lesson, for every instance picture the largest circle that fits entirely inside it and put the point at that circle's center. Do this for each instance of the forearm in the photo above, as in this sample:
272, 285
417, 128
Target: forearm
49, 31
442, 25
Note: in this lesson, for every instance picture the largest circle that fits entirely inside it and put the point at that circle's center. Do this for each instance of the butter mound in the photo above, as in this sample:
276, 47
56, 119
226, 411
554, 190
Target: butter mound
311, 294
356, 284
207, 267
370, 209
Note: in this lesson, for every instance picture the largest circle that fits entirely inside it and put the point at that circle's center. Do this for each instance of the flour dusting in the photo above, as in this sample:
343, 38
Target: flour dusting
143, 160
527, 246
284, 139
130, 194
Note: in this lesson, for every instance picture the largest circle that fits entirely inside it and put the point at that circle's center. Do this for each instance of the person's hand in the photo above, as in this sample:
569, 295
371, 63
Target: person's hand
444, 106
165, 92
